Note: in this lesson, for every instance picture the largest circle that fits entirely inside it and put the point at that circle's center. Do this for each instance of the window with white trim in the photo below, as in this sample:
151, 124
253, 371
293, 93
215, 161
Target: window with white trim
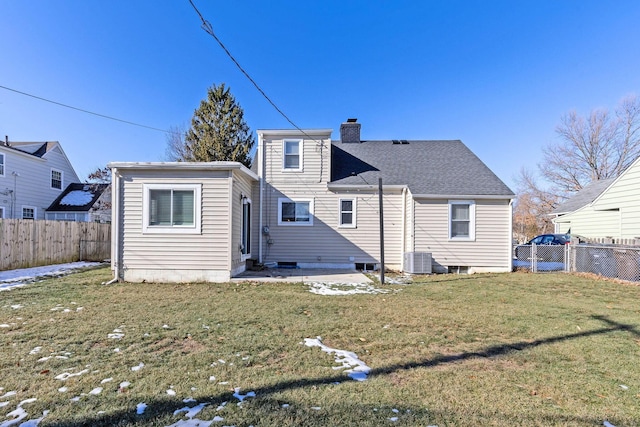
347, 213
462, 218
246, 227
1, 164
28, 212
56, 179
173, 208
295, 212
292, 155
1, 211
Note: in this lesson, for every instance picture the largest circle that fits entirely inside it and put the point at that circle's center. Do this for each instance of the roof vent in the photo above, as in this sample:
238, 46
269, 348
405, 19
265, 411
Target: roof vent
350, 131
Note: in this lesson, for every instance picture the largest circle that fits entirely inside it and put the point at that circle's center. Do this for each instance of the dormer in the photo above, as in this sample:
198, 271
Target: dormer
294, 156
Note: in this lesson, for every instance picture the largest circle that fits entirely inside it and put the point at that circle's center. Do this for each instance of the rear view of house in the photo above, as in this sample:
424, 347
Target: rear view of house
310, 201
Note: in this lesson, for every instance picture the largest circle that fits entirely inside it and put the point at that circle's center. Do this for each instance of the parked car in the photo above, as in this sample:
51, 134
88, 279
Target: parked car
549, 247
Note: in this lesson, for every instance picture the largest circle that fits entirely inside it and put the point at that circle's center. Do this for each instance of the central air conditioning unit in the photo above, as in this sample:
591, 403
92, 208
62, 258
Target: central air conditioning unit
417, 262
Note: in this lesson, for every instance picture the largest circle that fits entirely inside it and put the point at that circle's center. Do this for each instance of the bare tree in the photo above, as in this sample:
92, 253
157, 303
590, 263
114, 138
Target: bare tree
176, 148
591, 148
532, 208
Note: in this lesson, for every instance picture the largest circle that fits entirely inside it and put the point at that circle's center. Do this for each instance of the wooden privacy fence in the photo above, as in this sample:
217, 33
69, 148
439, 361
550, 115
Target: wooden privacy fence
29, 243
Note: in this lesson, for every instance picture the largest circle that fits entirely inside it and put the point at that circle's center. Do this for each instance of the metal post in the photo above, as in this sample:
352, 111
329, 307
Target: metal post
381, 232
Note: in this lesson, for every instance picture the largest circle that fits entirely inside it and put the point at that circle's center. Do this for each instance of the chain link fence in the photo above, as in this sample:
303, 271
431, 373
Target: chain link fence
615, 261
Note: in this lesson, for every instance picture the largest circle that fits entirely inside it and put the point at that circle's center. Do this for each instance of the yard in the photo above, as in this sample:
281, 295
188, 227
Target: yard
446, 350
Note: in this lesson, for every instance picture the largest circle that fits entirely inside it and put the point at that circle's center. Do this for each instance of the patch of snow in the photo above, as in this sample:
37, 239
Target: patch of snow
63, 389
17, 306
65, 376
336, 288
96, 391
77, 198
240, 396
106, 380
8, 394
137, 368
140, 408
608, 424
171, 392
354, 367
15, 278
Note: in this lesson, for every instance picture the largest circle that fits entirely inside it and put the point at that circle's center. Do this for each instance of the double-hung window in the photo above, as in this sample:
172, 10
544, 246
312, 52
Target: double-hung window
292, 155
347, 213
462, 220
171, 208
1, 164
28, 212
56, 179
298, 212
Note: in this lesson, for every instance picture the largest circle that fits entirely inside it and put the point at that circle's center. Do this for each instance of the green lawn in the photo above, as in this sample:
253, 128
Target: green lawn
447, 350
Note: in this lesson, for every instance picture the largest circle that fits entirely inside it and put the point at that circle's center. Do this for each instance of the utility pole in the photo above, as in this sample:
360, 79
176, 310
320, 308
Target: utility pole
381, 232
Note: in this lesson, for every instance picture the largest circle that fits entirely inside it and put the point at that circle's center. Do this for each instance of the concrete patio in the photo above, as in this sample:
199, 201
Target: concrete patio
304, 275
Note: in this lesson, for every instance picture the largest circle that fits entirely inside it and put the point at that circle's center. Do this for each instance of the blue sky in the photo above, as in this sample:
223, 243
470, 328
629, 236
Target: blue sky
496, 74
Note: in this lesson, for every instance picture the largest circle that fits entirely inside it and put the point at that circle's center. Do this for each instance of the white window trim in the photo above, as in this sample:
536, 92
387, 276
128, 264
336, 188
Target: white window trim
472, 220
300, 155
172, 229
61, 179
35, 212
246, 201
4, 166
353, 212
295, 224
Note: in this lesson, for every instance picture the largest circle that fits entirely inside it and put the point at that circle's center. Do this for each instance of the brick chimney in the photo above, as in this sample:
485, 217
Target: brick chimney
350, 131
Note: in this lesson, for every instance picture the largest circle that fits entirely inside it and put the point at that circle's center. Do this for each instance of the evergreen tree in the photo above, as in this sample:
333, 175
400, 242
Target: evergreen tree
218, 132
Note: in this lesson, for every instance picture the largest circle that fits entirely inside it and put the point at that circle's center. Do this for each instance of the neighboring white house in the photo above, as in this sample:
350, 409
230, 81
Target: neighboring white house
312, 202
82, 203
32, 175
604, 209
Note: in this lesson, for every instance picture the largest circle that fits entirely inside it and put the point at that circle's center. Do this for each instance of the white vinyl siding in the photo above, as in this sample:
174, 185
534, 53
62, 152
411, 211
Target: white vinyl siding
489, 251
156, 254
325, 243
240, 201
29, 178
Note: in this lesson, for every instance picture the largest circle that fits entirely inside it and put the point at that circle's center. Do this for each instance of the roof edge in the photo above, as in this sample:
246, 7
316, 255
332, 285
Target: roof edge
221, 165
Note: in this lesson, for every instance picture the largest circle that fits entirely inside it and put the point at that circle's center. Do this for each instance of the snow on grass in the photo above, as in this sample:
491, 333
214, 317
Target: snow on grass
15, 278
337, 288
354, 367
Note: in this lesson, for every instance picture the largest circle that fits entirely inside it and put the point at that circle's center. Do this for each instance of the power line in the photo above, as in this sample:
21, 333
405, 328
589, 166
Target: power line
206, 26
83, 110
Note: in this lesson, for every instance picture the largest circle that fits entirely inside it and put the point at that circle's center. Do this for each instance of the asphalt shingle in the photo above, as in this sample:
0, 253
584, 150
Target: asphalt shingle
445, 168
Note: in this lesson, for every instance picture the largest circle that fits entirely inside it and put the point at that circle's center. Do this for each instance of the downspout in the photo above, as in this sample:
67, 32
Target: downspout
115, 221
261, 190
509, 253
403, 236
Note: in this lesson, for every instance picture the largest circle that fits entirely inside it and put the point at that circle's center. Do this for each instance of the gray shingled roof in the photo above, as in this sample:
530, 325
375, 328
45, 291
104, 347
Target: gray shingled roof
583, 197
426, 167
